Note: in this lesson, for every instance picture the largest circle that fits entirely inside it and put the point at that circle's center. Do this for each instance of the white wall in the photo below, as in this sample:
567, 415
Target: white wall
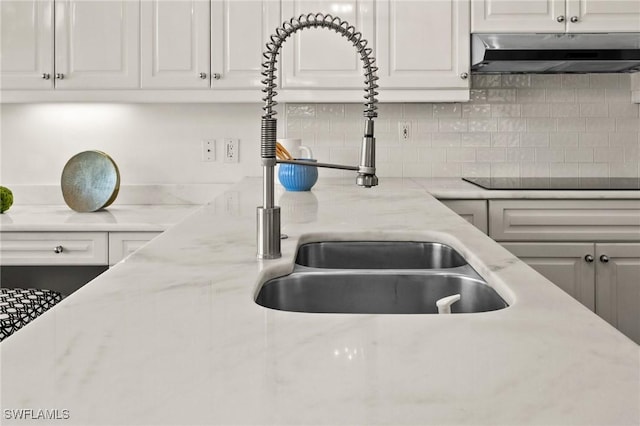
515, 125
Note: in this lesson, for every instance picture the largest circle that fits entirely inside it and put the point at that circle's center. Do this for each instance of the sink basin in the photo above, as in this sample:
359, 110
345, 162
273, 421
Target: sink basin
376, 293
378, 255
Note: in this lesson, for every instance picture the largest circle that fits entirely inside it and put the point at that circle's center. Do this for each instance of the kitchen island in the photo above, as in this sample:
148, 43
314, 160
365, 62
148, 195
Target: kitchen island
172, 334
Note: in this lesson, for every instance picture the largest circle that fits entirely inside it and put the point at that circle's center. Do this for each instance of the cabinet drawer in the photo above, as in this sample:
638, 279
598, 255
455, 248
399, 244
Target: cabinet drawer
564, 220
53, 248
473, 211
122, 244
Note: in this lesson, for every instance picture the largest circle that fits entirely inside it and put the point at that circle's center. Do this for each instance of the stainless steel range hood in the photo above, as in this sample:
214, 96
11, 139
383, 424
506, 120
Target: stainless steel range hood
555, 53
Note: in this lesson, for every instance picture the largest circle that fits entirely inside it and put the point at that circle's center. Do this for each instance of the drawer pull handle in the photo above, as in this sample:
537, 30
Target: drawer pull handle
604, 258
588, 258
58, 249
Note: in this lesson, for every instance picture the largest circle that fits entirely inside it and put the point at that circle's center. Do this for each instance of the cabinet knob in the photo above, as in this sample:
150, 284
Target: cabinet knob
574, 19
216, 76
59, 76
203, 75
464, 75
588, 258
560, 18
46, 76
58, 249
604, 258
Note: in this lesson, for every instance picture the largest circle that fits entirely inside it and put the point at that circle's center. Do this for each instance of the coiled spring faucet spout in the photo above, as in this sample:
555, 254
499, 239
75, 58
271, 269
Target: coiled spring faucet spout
268, 213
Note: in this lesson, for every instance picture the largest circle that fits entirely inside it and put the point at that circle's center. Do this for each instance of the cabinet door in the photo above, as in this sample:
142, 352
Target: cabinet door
518, 16
175, 37
53, 248
239, 33
122, 244
618, 286
563, 264
603, 16
321, 58
473, 211
423, 44
26, 32
97, 44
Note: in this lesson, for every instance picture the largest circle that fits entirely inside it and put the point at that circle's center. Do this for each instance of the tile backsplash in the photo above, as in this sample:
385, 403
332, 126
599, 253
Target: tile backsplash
515, 125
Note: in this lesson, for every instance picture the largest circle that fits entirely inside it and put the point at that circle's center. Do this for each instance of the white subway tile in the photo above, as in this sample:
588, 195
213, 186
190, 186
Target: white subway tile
482, 125
506, 110
390, 110
516, 80
416, 170
432, 155
505, 139
601, 124
476, 169
330, 111
512, 124
505, 170
624, 170
477, 96
609, 154
618, 95
594, 170
521, 155
627, 124
565, 110
623, 139
578, 155
428, 125
501, 95
343, 155
301, 111
563, 170
549, 155
538, 140
461, 155
353, 110
561, 95
447, 170
447, 110
604, 81
591, 95
528, 96
491, 155
546, 80
453, 125
409, 154
445, 140
389, 169
534, 170
594, 110
536, 110
632, 154
294, 128
593, 140
485, 80
476, 110
575, 81
624, 110
571, 124
563, 139
418, 110
541, 124
476, 139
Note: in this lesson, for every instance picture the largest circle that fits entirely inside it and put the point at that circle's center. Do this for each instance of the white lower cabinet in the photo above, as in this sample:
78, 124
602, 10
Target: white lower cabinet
122, 244
53, 248
588, 248
473, 211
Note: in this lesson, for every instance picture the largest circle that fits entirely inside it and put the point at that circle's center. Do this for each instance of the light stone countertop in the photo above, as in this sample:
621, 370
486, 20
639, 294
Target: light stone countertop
456, 188
172, 335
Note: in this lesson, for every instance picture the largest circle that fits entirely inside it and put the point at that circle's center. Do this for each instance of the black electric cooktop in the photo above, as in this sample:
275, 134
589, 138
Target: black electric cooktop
585, 184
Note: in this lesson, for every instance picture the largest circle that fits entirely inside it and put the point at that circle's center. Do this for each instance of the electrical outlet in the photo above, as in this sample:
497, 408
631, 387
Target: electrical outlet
209, 150
404, 130
231, 150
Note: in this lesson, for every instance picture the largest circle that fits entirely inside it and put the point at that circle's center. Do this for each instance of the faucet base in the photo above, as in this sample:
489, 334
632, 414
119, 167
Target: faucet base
268, 221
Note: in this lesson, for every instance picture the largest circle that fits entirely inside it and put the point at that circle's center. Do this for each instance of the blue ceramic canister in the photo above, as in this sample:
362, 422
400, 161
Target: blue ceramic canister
296, 177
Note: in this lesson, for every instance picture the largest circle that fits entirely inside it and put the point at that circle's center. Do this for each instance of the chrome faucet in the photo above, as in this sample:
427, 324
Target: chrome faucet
269, 214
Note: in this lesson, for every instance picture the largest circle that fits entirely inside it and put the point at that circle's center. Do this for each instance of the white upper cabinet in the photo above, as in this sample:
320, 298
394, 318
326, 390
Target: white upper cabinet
97, 44
239, 33
422, 44
555, 16
26, 55
175, 44
321, 58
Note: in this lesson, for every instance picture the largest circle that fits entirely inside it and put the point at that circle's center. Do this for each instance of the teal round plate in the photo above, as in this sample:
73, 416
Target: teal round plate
90, 181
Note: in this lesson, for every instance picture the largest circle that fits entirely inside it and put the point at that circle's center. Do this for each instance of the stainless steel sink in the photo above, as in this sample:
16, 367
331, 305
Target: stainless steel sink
378, 255
376, 293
